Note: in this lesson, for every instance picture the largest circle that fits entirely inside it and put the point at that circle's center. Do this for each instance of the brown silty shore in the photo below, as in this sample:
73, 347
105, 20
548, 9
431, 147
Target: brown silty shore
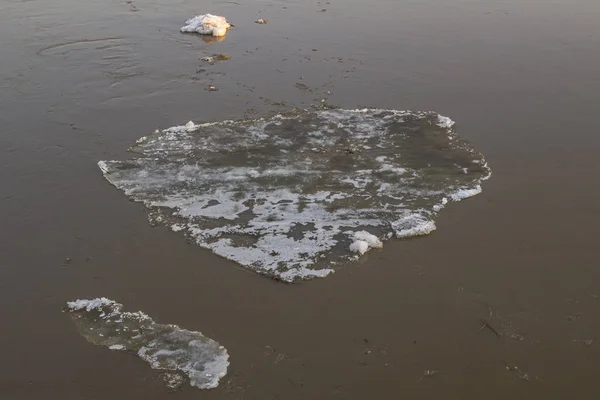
81, 82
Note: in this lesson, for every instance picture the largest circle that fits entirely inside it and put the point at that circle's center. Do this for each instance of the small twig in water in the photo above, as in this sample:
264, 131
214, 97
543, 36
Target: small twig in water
486, 323
488, 320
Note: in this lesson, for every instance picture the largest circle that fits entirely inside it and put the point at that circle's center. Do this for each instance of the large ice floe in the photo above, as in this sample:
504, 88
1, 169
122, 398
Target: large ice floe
207, 24
165, 347
294, 195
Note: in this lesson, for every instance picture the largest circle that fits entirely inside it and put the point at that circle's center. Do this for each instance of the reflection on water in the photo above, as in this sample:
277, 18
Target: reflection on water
212, 39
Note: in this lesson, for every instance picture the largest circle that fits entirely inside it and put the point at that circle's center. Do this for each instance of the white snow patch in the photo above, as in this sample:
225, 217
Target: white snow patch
465, 193
207, 24
364, 241
359, 246
445, 122
391, 168
103, 167
442, 204
190, 126
412, 225
371, 239
90, 305
177, 227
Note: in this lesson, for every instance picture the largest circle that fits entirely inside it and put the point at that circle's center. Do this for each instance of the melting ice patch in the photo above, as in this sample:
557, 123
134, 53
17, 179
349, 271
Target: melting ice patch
288, 195
165, 347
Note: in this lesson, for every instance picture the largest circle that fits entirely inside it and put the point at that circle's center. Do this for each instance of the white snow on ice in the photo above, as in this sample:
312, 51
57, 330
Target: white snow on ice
445, 122
359, 246
364, 241
371, 239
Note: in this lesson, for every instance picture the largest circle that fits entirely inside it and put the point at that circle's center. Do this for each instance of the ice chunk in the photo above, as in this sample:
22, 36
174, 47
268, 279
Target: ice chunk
190, 126
165, 347
371, 239
282, 195
207, 24
364, 241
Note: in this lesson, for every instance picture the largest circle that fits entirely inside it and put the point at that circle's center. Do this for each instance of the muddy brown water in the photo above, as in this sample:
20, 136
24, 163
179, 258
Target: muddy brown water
81, 81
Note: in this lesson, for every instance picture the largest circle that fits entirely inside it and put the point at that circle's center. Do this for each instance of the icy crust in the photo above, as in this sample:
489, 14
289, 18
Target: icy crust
165, 347
207, 24
287, 195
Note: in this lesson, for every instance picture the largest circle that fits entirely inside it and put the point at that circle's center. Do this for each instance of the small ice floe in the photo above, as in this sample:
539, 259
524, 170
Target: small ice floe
207, 24
363, 241
261, 21
182, 354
